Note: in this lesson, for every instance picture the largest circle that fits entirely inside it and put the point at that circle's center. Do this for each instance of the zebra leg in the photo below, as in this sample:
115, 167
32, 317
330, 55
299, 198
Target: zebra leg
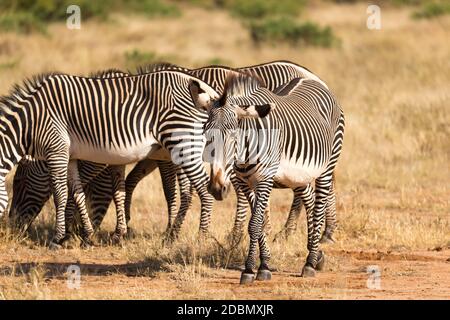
237, 232
331, 201
187, 154
3, 193
315, 257
168, 173
57, 166
258, 236
118, 182
77, 192
306, 195
185, 202
330, 217
206, 200
198, 178
140, 170
99, 193
291, 222
57, 163
71, 223
267, 226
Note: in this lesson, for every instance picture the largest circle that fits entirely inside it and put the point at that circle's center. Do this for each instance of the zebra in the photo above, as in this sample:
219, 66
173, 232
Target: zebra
61, 119
292, 139
275, 73
31, 184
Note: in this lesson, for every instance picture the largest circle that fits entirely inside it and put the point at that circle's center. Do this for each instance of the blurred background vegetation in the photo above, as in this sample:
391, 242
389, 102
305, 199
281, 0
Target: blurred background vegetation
398, 68
266, 20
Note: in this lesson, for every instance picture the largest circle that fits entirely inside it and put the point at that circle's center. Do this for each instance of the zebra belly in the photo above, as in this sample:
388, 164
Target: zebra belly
293, 174
147, 148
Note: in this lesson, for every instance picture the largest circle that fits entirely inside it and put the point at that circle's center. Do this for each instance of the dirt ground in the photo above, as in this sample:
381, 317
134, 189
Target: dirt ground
402, 275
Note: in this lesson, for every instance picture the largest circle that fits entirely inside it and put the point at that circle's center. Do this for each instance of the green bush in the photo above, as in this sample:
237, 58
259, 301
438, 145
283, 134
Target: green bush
287, 29
31, 15
257, 9
54, 10
432, 9
21, 22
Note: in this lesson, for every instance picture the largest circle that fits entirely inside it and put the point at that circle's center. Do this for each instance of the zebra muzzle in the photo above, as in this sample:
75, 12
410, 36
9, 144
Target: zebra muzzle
219, 192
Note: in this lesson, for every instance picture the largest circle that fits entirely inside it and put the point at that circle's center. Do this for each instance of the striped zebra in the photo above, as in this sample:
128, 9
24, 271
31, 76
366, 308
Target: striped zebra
291, 139
276, 74
31, 184
119, 120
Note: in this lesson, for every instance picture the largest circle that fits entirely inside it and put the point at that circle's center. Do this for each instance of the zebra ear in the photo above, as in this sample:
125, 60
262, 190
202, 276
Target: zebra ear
254, 111
201, 98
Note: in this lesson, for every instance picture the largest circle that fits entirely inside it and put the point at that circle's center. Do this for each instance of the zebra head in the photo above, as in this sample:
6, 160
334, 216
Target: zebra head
222, 129
31, 190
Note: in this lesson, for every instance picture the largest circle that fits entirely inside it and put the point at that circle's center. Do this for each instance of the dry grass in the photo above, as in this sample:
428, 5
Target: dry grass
393, 190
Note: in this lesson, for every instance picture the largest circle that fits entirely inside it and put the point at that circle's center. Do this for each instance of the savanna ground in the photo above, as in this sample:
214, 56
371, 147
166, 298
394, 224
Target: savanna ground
392, 179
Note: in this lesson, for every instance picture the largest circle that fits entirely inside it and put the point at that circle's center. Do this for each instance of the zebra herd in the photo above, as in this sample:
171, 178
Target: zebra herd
273, 125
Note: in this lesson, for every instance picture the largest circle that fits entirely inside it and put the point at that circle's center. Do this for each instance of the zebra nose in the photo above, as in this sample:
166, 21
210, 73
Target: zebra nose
216, 191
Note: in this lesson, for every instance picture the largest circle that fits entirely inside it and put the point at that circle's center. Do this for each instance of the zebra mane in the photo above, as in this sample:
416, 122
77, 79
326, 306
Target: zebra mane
109, 73
29, 85
241, 83
157, 67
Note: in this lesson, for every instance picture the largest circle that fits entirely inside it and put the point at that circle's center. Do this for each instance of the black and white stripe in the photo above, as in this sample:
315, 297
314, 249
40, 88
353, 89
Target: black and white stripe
276, 74
61, 118
291, 140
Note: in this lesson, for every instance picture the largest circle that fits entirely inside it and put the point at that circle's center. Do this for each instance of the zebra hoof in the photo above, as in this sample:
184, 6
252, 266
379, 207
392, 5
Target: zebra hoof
320, 261
247, 278
264, 275
308, 272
